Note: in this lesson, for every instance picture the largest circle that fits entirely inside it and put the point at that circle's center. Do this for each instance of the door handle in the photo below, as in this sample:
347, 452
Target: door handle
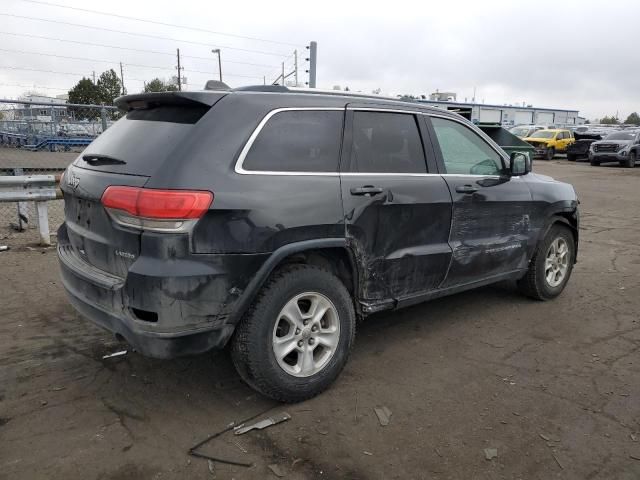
367, 190
466, 189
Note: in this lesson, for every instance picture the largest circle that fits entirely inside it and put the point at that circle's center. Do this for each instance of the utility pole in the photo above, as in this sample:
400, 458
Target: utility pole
124, 90
264, 79
313, 59
295, 65
94, 77
283, 74
179, 71
217, 50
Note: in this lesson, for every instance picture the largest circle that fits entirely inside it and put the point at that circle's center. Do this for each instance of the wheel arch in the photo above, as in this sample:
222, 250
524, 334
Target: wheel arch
332, 254
567, 217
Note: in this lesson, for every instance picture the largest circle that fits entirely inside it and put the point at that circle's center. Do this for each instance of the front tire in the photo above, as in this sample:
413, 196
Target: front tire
571, 157
296, 337
631, 160
551, 152
594, 163
551, 265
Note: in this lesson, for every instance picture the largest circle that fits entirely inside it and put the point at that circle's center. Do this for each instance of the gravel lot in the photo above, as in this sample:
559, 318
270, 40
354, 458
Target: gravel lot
554, 387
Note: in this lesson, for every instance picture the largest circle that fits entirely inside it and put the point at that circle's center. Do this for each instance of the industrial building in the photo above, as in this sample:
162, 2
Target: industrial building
506, 115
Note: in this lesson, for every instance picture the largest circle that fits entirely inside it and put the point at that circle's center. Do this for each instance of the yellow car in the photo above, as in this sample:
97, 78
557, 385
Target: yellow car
549, 142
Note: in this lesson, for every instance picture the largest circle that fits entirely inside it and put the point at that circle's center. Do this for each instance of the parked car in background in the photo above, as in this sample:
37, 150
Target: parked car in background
549, 142
622, 147
72, 130
270, 219
523, 131
580, 148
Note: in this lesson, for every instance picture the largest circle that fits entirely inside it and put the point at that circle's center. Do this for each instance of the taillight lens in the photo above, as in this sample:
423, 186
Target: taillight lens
155, 209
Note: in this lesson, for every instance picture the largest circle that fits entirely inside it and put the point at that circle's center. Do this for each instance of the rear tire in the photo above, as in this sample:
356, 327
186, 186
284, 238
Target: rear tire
551, 152
285, 351
551, 265
571, 157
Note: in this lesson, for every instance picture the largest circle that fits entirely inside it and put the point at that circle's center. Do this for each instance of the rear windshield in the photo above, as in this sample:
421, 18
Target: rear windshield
169, 113
520, 131
142, 140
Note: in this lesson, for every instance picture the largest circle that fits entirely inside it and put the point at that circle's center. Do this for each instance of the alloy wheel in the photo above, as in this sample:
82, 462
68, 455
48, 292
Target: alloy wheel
556, 263
306, 334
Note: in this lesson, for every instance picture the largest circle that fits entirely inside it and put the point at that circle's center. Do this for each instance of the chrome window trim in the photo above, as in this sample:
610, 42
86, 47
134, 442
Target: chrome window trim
247, 146
238, 168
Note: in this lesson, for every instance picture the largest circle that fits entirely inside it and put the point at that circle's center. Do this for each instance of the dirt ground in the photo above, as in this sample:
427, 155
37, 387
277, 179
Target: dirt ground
554, 387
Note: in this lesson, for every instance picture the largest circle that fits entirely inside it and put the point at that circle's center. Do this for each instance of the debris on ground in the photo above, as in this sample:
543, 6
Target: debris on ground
633, 437
212, 467
544, 437
267, 422
384, 415
193, 451
490, 453
557, 461
368, 453
276, 470
4, 248
115, 354
635, 457
240, 447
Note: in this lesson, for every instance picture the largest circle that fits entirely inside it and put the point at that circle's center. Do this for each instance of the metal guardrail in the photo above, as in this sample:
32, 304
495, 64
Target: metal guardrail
33, 188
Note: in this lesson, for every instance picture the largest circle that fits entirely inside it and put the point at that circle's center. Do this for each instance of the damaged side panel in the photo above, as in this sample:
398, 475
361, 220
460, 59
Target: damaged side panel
491, 229
400, 237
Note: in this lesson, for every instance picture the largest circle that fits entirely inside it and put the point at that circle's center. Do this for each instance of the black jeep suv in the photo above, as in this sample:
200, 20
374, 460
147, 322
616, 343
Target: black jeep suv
270, 219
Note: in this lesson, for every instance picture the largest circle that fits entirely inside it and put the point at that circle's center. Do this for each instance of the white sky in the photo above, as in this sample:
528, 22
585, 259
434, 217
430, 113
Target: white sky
570, 54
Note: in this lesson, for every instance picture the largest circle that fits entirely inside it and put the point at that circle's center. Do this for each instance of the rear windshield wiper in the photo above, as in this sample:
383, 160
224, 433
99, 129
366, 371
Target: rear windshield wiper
94, 159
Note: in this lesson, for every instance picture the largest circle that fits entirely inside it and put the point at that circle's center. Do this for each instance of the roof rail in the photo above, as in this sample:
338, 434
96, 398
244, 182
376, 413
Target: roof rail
316, 91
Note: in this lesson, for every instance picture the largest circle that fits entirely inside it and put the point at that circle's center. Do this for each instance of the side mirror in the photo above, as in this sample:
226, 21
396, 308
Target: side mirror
519, 164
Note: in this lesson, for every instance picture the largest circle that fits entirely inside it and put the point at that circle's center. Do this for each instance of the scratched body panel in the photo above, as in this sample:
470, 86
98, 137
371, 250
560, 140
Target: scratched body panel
490, 230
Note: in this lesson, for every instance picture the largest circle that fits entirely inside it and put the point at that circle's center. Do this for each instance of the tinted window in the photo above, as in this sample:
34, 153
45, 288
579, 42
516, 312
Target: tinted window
464, 151
298, 141
386, 143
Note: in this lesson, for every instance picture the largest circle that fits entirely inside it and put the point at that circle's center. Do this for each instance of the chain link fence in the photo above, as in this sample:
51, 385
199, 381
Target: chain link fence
42, 136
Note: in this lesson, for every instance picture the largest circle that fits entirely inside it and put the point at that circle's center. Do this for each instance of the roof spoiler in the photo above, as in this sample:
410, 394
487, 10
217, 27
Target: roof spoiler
146, 100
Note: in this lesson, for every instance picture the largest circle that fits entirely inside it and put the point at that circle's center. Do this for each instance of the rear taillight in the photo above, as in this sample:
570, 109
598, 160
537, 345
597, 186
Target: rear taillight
151, 209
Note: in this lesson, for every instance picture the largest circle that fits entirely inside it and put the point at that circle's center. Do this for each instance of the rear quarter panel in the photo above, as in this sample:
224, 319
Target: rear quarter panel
250, 213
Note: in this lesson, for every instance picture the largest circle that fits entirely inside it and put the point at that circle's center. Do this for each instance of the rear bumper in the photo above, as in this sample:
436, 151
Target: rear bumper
191, 301
150, 344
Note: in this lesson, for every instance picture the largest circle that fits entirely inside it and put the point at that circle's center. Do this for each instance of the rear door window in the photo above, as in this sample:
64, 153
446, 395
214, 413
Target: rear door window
385, 142
463, 151
298, 141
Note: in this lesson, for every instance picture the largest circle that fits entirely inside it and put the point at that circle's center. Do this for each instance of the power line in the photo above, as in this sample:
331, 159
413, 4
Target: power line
155, 22
56, 72
31, 86
128, 78
128, 64
81, 58
146, 35
42, 37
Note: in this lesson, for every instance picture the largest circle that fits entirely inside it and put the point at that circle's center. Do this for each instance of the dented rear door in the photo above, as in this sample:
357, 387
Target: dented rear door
397, 213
